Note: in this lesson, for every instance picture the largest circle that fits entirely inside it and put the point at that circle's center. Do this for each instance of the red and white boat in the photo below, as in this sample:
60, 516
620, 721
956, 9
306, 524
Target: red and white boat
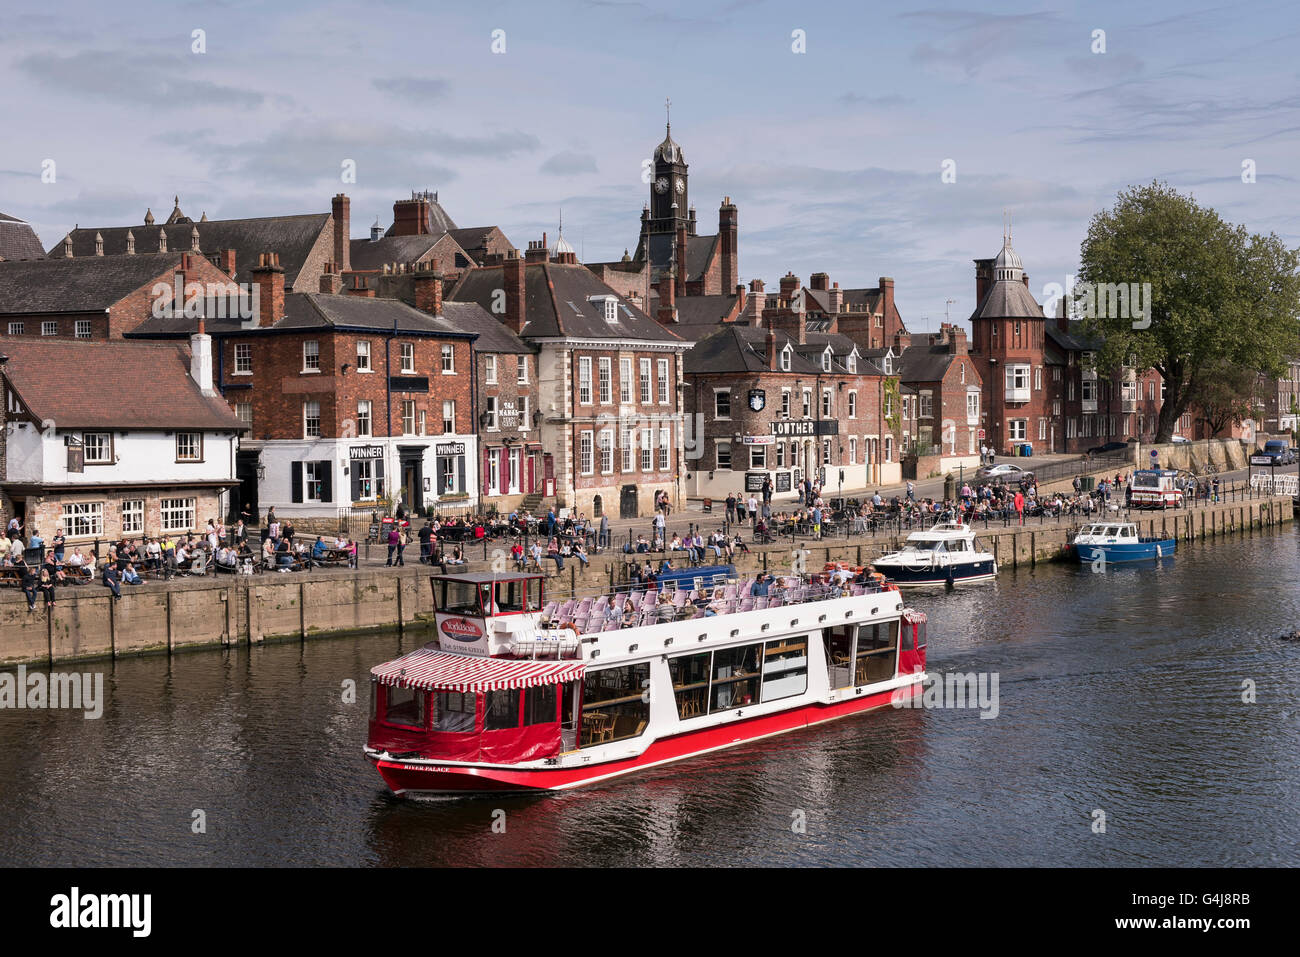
521, 694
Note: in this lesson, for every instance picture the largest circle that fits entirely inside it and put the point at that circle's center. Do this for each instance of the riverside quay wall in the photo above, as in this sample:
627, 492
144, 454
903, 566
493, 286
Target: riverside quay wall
194, 613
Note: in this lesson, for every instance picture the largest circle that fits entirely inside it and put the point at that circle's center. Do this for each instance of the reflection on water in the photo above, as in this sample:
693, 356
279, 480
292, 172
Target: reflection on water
1120, 691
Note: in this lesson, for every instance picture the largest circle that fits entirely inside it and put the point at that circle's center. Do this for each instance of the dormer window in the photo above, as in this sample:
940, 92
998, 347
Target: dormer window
888, 365
611, 309
785, 359
826, 361
853, 362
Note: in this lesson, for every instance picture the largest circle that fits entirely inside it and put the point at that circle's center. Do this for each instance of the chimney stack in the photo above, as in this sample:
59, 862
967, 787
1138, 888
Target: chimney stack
537, 251
755, 304
728, 238
983, 278
269, 276
819, 280
412, 217
360, 287
679, 267
667, 286
227, 261
835, 297
428, 288
201, 360
789, 286
512, 275
771, 350
330, 280
342, 211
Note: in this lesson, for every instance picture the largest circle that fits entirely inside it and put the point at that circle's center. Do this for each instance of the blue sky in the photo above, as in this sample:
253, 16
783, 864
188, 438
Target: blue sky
833, 156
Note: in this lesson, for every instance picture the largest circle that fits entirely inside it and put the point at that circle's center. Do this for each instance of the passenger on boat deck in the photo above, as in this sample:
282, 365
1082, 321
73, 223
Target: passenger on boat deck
629, 615
762, 586
665, 610
777, 590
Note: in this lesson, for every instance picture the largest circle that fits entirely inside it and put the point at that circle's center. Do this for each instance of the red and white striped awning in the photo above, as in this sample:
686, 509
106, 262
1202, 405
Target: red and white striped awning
429, 669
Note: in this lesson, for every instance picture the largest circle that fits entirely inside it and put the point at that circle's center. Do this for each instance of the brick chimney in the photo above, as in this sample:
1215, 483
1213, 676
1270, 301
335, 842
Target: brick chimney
679, 268
755, 304
269, 276
537, 252
886, 297
226, 259
902, 340
771, 350
667, 288
512, 276
740, 300
412, 217
1024, 276
835, 297
728, 238
341, 208
428, 288
789, 285
983, 278
360, 287
330, 280
819, 280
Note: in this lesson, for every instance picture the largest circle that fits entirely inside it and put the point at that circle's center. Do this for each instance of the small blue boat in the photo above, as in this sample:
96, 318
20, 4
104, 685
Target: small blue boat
1119, 542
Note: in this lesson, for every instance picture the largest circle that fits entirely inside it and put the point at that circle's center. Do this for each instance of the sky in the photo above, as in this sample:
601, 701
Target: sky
835, 156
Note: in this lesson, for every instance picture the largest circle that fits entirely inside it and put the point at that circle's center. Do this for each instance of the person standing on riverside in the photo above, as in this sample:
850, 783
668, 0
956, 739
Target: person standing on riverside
1020, 507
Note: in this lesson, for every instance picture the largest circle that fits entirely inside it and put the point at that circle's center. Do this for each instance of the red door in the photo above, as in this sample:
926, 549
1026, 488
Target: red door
532, 473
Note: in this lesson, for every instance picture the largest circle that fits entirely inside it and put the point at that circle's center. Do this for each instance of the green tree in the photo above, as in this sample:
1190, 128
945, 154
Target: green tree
1227, 394
1219, 297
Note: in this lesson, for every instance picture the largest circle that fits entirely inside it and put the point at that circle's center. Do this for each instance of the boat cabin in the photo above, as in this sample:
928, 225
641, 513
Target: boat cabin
1155, 488
1106, 533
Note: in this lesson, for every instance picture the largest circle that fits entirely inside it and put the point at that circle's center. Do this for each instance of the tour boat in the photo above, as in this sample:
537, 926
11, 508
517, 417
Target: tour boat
1155, 488
947, 553
517, 693
1119, 542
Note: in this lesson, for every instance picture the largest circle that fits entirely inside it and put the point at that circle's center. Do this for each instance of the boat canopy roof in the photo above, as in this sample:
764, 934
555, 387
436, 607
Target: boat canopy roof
478, 578
942, 531
429, 668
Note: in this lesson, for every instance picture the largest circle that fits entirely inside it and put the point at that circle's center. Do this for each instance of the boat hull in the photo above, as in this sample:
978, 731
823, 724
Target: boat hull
411, 780
912, 577
1139, 552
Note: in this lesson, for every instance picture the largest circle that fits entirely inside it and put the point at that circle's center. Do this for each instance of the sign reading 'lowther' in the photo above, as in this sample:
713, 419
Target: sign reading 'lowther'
801, 427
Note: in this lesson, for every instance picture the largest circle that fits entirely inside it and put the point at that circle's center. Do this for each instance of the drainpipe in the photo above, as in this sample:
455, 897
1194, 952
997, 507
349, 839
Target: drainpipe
474, 414
388, 393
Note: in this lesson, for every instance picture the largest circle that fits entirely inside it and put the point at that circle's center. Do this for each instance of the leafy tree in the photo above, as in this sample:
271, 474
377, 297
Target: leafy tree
1227, 394
1219, 298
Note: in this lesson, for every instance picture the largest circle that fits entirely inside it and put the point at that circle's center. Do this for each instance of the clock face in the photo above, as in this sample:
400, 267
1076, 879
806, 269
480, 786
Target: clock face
661, 184
680, 185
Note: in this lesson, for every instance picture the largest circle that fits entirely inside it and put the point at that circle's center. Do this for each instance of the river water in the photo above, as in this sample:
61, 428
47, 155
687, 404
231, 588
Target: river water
1119, 693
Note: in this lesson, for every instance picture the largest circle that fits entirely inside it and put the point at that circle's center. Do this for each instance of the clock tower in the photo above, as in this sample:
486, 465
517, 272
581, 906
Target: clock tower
669, 206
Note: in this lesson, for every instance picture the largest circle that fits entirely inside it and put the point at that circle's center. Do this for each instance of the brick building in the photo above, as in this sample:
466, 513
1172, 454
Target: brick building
157, 457
608, 380
946, 393
102, 297
351, 400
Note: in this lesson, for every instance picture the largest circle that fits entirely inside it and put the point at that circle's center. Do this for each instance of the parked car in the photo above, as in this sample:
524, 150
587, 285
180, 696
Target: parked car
1005, 472
1274, 452
1108, 447
1181, 440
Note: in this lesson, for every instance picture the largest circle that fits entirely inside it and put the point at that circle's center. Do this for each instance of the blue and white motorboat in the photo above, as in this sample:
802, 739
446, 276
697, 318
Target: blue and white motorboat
1119, 542
948, 553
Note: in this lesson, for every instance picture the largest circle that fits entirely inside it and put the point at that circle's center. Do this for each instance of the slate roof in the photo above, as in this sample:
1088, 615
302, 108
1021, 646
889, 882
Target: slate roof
291, 236
556, 303
372, 255
925, 363
18, 240
493, 335
740, 348
315, 310
78, 285
472, 237
699, 249
1008, 299
55, 381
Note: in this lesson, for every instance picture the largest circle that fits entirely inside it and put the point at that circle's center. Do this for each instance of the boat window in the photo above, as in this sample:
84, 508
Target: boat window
454, 711
501, 709
541, 705
957, 545
615, 703
690, 674
460, 598
1112, 530
839, 649
877, 652
405, 707
923, 546
374, 698
785, 667
735, 677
